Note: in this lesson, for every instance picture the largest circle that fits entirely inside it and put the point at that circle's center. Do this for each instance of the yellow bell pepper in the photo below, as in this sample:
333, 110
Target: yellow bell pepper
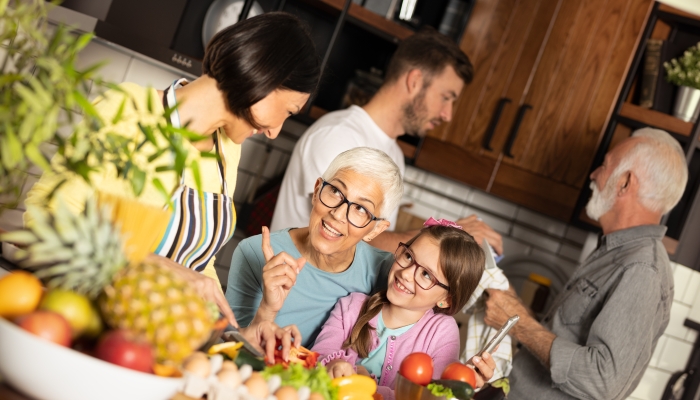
355, 387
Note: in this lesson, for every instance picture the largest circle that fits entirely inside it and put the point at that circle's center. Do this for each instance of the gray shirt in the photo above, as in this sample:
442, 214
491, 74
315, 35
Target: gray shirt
607, 320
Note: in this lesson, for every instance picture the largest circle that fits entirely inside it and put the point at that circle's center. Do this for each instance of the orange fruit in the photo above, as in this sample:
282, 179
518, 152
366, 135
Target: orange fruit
74, 307
20, 293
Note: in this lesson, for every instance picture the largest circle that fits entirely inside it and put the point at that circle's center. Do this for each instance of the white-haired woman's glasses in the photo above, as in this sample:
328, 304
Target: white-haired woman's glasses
357, 215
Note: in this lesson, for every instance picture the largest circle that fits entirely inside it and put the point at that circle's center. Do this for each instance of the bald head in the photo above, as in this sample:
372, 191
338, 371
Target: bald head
658, 161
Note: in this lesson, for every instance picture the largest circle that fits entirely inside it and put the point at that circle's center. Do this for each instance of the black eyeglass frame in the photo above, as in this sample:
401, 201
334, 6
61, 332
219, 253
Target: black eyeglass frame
349, 203
413, 256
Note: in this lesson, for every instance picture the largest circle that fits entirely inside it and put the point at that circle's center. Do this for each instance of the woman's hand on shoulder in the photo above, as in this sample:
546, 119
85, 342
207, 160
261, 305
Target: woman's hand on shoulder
339, 367
205, 286
279, 275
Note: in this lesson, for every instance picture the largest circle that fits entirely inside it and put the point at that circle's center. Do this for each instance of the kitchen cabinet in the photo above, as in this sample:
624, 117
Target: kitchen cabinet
678, 30
547, 75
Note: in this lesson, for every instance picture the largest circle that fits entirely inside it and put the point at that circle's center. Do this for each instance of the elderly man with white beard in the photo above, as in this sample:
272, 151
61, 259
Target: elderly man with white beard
599, 335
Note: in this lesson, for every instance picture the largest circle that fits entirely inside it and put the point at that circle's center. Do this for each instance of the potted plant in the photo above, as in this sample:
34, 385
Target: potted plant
39, 81
684, 72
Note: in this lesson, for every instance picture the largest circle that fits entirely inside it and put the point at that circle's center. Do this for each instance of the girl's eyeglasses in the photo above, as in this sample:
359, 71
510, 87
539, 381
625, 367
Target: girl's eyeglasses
422, 276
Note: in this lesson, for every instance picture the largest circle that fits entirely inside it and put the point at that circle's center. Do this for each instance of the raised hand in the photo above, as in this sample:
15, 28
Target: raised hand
279, 275
474, 226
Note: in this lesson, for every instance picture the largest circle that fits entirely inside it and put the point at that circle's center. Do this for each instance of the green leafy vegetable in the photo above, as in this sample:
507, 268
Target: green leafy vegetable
296, 375
438, 390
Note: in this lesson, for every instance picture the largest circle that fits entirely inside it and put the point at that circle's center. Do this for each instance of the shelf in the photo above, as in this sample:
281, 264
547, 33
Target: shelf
671, 10
656, 119
367, 18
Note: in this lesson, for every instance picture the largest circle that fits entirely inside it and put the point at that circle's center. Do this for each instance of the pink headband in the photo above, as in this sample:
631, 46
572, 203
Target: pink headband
442, 222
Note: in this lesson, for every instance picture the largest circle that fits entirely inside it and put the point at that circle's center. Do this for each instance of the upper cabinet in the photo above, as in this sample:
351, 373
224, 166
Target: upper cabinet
547, 75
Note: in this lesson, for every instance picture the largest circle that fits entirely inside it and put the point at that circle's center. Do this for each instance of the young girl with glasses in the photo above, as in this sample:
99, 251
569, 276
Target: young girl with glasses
432, 278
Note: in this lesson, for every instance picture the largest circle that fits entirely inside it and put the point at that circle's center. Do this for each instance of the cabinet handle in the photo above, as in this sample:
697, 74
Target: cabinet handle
494, 123
514, 131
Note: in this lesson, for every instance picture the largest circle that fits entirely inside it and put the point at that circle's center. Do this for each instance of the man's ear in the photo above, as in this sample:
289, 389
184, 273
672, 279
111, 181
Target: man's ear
414, 82
628, 183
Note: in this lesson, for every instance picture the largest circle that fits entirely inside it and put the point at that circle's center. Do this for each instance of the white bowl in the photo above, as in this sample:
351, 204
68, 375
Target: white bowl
45, 370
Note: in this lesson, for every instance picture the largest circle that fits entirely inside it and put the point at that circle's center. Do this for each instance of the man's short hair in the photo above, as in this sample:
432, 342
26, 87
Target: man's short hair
659, 162
430, 52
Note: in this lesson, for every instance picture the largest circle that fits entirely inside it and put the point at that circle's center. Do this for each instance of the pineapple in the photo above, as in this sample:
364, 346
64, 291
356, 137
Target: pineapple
152, 301
72, 252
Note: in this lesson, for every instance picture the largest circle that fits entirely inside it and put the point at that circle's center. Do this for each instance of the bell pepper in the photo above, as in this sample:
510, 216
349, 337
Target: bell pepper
355, 387
300, 355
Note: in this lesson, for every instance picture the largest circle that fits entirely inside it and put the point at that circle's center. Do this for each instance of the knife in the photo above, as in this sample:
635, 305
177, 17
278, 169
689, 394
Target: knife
231, 333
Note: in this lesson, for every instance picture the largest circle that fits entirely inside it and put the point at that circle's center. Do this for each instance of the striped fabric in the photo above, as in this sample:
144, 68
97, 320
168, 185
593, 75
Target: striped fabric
201, 223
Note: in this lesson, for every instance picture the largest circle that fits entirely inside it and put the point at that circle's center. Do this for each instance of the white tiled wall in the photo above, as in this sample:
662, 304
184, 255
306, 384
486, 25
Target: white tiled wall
674, 347
524, 232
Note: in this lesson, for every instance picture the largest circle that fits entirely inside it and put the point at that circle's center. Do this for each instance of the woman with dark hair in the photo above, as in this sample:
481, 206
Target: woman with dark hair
256, 74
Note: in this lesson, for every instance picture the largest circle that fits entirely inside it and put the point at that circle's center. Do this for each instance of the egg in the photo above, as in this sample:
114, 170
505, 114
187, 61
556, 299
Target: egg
287, 393
316, 396
229, 365
257, 387
229, 378
197, 364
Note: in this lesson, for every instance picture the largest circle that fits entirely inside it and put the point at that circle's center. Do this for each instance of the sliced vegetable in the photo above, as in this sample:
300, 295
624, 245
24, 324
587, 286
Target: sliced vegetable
438, 390
300, 355
460, 390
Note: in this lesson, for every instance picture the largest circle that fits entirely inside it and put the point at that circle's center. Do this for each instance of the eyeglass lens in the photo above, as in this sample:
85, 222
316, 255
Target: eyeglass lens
421, 275
357, 215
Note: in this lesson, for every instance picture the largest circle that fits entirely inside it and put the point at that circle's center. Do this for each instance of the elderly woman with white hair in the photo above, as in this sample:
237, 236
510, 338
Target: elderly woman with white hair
314, 266
296, 275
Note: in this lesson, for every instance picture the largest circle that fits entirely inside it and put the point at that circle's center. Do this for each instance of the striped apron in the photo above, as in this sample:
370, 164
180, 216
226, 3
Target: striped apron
201, 223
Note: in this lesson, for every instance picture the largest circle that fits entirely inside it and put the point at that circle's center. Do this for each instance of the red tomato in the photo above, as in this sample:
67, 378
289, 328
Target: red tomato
417, 368
459, 372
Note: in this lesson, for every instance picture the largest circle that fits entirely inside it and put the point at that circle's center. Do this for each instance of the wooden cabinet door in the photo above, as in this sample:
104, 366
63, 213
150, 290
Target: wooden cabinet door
503, 42
573, 90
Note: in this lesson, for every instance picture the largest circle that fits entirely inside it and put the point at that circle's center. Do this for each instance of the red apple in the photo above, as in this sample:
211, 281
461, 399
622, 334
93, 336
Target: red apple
121, 348
48, 325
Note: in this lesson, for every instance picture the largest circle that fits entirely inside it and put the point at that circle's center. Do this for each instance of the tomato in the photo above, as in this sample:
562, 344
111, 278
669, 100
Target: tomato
417, 368
459, 372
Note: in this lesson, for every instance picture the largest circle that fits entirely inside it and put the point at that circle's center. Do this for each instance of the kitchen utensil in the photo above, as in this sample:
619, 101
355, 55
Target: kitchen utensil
232, 333
224, 13
488, 348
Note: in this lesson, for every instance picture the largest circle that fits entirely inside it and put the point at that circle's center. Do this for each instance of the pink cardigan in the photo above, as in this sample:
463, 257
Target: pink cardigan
435, 334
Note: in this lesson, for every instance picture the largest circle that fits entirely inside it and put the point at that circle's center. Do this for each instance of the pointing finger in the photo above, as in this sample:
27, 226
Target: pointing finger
266, 246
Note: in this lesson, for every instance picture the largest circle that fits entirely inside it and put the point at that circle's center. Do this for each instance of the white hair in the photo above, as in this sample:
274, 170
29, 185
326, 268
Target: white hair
659, 163
376, 165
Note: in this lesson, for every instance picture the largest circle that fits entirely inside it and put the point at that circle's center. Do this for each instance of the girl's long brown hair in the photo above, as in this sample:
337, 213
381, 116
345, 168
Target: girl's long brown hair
461, 261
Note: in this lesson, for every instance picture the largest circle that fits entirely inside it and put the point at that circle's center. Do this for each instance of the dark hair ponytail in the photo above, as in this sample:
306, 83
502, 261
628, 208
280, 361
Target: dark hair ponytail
254, 57
360, 338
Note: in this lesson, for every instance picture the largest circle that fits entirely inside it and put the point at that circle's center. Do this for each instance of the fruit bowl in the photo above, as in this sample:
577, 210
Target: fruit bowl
45, 370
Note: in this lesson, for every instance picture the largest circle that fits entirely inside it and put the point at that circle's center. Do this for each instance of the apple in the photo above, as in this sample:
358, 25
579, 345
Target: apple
121, 348
48, 325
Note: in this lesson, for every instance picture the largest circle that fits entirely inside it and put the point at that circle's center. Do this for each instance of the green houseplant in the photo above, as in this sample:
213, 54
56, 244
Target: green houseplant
39, 81
684, 72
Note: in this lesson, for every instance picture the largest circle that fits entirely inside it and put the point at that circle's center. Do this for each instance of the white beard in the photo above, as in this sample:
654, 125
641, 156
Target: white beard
600, 202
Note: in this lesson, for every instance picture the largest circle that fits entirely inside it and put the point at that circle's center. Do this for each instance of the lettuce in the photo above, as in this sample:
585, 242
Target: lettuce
440, 391
296, 375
